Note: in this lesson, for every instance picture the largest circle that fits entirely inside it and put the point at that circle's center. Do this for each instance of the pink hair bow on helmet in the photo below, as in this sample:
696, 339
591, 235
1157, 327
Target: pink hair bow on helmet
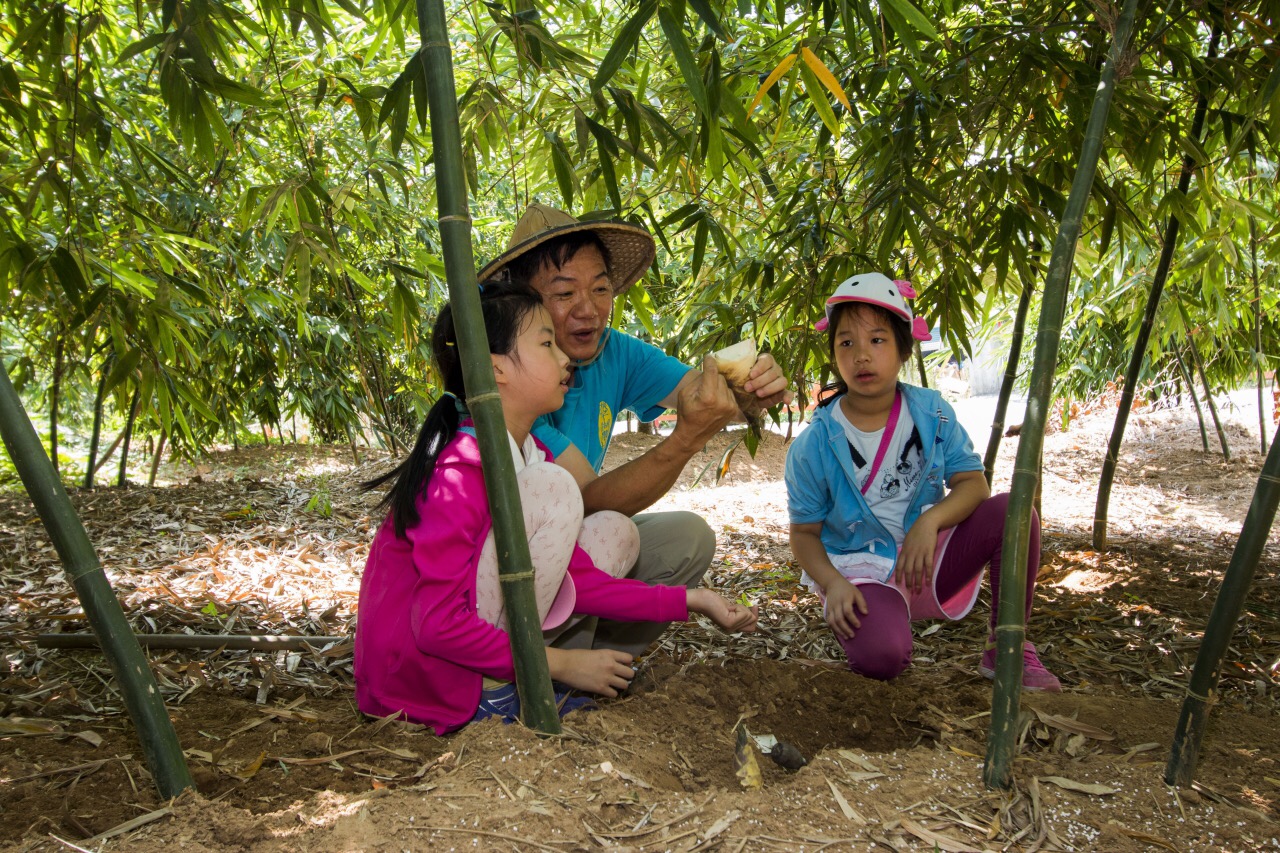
919, 328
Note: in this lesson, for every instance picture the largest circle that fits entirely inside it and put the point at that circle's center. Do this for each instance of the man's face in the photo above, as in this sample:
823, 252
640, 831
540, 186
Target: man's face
579, 296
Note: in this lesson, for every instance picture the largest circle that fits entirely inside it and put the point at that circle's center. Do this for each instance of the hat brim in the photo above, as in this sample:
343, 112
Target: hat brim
631, 250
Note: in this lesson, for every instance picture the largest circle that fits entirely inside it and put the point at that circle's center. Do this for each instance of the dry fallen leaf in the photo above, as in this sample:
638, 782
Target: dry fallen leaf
849, 811
1072, 785
1067, 724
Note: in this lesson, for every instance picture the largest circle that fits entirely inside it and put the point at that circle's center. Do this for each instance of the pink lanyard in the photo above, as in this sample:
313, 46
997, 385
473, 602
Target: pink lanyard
885, 440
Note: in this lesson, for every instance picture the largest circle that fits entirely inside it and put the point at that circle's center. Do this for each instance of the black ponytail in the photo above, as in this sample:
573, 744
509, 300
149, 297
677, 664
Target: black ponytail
504, 306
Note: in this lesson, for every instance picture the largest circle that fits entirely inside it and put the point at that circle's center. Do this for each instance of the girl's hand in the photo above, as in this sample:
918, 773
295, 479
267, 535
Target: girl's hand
606, 672
729, 616
915, 559
844, 603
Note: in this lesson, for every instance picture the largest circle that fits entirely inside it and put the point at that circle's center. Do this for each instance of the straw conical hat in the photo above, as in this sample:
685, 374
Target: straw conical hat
631, 249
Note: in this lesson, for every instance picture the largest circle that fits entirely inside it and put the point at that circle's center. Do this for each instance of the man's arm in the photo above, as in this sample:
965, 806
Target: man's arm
704, 405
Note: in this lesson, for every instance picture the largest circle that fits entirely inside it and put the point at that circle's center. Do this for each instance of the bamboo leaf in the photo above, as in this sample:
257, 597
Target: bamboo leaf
699, 246
563, 168
140, 46
70, 274
825, 76
818, 97
400, 118
360, 278
302, 264
914, 17
628, 36
673, 27
709, 17
640, 303
610, 178
776, 74
122, 369
1081, 787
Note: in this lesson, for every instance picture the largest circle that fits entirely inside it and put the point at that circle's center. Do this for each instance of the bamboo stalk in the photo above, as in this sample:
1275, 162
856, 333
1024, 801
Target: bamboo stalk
155, 460
105, 457
92, 463
1139, 355
1006, 693
1006, 383
55, 397
1222, 622
128, 434
515, 568
1257, 330
1195, 398
1208, 399
238, 642
81, 566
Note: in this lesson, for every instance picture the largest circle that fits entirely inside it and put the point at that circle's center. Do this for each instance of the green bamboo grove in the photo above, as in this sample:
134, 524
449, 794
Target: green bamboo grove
219, 220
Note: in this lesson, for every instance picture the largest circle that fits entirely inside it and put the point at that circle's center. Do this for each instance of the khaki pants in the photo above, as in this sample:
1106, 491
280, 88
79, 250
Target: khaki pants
676, 549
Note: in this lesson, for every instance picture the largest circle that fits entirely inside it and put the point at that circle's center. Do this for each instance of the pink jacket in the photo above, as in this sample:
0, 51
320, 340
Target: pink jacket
421, 649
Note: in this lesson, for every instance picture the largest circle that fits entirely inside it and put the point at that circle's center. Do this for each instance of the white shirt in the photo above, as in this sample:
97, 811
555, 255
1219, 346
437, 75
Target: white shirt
525, 454
889, 497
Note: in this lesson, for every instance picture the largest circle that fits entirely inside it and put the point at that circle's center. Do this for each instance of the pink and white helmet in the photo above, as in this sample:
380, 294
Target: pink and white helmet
877, 289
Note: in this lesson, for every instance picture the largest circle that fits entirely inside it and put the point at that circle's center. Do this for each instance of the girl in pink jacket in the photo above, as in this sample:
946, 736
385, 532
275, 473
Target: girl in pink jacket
430, 644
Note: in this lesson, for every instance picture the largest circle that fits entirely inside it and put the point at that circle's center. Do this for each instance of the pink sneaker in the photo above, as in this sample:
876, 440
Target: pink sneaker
1035, 678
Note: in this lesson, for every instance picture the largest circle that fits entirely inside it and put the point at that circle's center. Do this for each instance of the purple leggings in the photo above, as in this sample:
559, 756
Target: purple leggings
881, 648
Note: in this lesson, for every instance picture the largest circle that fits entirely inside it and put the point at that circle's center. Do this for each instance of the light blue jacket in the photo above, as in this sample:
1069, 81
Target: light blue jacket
821, 484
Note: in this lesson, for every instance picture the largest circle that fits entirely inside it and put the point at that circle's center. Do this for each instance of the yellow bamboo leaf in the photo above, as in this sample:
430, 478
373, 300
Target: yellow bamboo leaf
251, 769
783, 67
824, 75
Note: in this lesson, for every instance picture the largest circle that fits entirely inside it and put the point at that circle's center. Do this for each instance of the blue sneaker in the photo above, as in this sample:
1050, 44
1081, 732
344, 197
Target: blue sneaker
503, 702
569, 700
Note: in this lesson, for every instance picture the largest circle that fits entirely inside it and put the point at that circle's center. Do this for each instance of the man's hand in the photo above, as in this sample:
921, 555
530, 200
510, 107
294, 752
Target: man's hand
767, 383
703, 408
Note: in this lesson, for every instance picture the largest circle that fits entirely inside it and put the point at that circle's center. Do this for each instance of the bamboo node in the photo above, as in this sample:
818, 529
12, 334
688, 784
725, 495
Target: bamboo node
482, 397
455, 217
504, 577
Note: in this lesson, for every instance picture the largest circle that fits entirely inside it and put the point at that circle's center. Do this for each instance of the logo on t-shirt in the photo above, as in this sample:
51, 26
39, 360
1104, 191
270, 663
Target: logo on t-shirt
903, 476
606, 423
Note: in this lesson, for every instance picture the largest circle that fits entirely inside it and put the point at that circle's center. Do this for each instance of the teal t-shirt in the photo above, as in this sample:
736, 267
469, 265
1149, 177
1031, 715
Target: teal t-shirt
629, 375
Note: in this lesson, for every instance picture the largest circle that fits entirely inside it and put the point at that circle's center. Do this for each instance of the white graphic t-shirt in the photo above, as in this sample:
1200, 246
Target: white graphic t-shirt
889, 496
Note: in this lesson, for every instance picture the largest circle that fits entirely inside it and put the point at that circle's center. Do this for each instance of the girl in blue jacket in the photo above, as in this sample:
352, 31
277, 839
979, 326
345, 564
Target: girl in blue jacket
891, 516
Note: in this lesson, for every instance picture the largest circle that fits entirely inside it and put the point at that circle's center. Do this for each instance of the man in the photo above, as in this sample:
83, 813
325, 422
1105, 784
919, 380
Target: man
578, 268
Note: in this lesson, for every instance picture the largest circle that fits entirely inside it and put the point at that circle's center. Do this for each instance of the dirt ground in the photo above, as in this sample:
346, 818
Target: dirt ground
273, 541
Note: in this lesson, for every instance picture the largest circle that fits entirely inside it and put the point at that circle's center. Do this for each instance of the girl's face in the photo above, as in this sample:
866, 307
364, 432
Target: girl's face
534, 377
866, 354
